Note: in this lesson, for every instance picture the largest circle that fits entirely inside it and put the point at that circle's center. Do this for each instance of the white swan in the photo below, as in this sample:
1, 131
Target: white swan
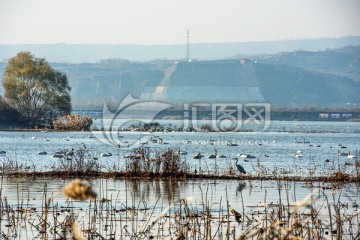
246, 155
180, 152
351, 156
105, 154
298, 154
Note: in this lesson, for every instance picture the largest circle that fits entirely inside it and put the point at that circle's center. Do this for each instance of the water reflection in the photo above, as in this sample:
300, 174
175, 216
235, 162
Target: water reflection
155, 189
139, 201
241, 186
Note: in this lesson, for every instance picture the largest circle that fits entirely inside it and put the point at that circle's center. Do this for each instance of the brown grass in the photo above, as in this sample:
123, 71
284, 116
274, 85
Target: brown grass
107, 218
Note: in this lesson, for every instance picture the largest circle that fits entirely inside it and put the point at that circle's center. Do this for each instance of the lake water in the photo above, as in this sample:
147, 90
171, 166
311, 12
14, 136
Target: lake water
274, 151
130, 205
274, 148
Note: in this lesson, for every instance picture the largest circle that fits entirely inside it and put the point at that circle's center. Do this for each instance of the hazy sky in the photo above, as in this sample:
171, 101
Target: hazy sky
166, 21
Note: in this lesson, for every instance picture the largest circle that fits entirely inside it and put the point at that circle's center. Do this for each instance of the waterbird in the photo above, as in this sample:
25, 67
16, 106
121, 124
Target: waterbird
128, 156
58, 155
239, 167
105, 154
69, 152
214, 155
179, 152
2, 152
242, 155
298, 154
342, 153
232, 144
246, 155
351, 156
183, 152
237, 215
43, 153
198, 155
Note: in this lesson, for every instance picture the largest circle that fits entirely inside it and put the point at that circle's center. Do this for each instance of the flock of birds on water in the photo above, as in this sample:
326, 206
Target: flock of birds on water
68, 154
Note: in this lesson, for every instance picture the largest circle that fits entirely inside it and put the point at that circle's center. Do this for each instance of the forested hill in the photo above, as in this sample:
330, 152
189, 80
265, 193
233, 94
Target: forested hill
295, 79
343, 61
286, 86
322, 78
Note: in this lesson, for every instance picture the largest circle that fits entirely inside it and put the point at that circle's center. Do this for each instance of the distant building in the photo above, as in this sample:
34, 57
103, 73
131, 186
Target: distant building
323, 115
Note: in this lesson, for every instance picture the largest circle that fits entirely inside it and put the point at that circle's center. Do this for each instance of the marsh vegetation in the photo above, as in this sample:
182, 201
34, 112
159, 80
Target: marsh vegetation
167, 209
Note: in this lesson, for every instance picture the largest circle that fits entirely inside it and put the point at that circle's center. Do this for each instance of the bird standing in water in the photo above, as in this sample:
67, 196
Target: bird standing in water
237, 215
239, 167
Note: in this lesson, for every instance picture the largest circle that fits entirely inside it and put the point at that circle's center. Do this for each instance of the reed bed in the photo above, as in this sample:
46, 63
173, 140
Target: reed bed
78, 211
149, 163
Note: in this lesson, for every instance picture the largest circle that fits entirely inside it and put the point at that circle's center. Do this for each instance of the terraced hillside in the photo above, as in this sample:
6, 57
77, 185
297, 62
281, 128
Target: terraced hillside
207, 81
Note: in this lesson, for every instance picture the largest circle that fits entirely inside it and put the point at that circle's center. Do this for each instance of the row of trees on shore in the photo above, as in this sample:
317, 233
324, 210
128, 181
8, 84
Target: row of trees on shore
35, 93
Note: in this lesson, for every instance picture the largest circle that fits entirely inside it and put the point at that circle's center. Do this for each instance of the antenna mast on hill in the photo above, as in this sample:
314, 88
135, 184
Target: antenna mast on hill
187, 46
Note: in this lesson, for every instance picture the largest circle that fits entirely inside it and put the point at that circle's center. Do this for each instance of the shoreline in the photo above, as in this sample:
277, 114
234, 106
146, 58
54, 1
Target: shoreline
335, 178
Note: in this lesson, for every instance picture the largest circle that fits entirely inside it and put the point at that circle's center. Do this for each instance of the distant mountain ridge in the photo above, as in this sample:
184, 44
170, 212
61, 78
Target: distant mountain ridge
327, 78
343, 61
91, 53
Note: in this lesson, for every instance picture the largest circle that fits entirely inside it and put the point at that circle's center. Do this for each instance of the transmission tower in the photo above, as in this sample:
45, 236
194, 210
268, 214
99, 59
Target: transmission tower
187, 46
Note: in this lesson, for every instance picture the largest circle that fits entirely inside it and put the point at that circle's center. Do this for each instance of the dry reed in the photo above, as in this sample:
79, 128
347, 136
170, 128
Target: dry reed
79, 190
